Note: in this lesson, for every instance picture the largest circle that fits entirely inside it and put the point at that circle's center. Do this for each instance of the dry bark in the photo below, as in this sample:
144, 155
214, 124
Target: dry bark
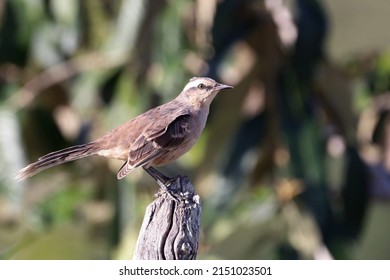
171, 226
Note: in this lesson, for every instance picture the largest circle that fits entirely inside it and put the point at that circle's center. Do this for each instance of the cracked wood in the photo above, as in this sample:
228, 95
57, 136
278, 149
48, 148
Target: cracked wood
171, 226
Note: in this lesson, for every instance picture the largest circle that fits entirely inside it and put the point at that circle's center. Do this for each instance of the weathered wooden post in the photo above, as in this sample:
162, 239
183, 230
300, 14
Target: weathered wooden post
171, 226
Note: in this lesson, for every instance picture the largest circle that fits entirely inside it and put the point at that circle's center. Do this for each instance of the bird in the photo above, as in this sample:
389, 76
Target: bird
156, 137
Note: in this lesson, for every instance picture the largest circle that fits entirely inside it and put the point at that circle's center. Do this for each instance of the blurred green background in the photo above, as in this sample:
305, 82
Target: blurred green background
293, 164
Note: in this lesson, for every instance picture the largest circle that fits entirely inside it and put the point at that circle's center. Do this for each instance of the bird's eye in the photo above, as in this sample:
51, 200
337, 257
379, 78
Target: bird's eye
201, 86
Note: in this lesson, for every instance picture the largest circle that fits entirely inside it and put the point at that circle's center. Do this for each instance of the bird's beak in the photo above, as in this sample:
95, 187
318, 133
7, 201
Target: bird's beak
222, 86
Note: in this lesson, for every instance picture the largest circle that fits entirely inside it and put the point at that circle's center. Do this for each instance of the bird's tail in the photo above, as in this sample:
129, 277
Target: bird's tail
56, 158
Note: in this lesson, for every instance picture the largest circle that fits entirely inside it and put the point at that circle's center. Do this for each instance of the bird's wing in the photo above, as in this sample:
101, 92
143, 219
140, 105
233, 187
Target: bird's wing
155, 141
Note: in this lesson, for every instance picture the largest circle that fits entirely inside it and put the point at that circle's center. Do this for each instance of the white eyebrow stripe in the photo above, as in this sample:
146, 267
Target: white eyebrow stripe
191, 84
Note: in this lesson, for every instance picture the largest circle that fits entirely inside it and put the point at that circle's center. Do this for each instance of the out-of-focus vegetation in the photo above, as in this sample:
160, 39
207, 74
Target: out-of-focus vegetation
294, 164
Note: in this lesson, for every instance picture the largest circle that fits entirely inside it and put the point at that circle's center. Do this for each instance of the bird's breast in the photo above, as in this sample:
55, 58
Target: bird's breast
197, 124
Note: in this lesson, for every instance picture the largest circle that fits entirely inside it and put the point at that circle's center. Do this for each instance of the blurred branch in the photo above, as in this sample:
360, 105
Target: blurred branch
62, 72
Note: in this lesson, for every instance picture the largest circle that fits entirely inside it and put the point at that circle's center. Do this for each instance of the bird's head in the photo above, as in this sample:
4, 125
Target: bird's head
201, 91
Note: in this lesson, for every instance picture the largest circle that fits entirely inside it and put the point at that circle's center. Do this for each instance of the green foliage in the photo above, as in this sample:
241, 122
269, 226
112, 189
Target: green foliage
282, 167
62, 206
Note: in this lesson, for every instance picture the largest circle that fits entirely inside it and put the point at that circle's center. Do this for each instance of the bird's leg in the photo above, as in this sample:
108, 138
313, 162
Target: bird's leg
158, 176
162, 180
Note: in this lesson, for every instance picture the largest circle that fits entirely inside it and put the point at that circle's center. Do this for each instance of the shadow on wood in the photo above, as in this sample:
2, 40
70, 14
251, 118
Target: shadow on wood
171, 226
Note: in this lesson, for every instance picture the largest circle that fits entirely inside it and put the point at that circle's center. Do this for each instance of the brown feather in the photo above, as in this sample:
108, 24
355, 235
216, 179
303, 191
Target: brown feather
158, 142
56, 158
